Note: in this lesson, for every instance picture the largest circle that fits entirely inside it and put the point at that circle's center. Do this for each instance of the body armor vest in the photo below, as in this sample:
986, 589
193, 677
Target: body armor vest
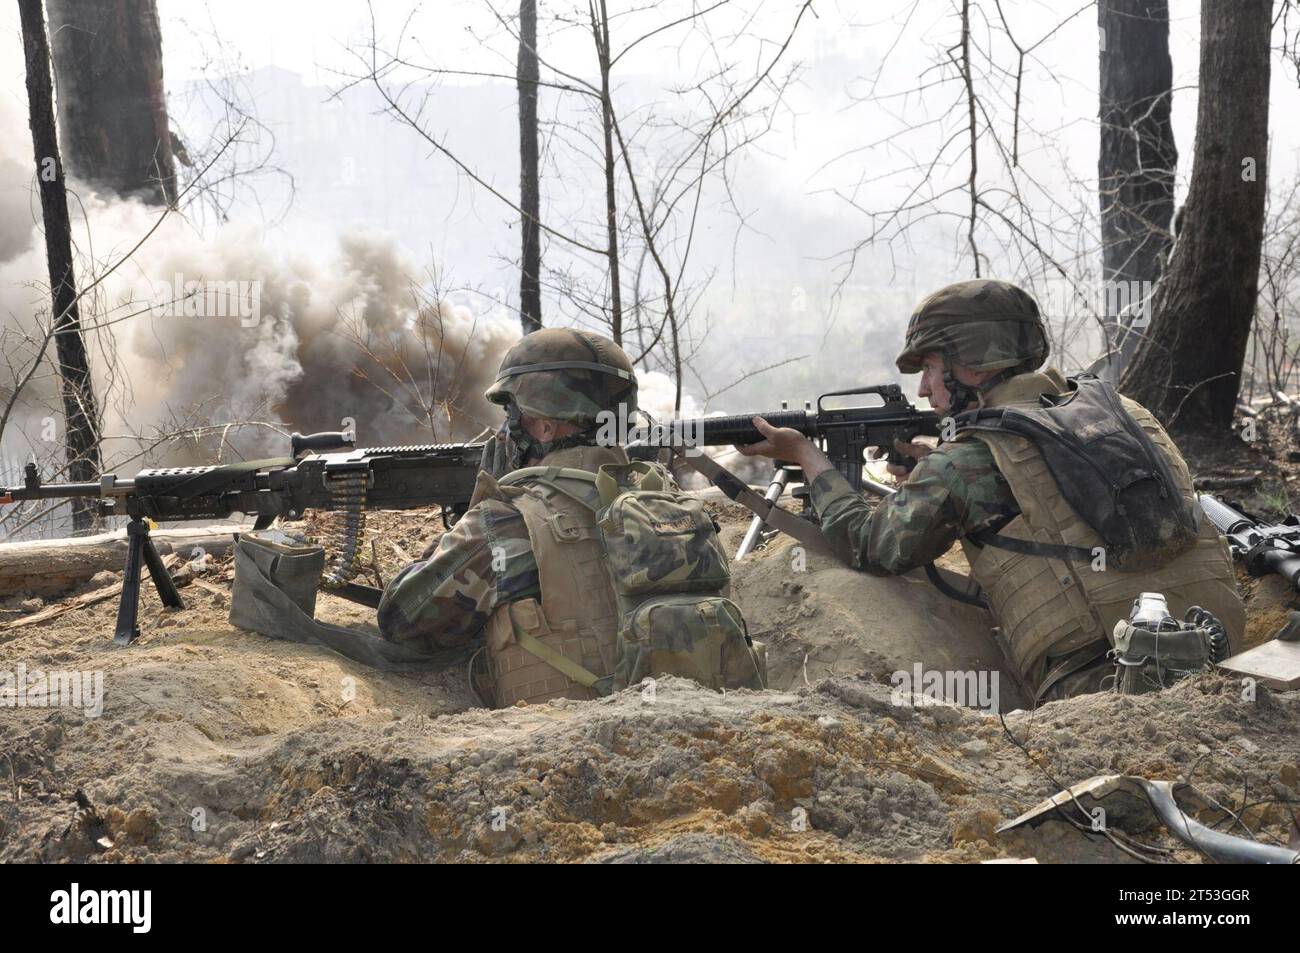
1056, 614
565, 645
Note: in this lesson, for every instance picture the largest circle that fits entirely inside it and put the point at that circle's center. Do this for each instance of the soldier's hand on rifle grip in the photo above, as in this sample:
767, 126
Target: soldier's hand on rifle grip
904, 456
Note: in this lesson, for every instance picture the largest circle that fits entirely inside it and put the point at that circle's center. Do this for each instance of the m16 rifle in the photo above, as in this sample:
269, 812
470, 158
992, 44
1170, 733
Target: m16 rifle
345, 480
843, 432
1262, 547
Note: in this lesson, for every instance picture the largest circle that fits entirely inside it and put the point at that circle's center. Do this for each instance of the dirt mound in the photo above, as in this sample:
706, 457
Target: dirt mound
221, 746
820, 618
835, 772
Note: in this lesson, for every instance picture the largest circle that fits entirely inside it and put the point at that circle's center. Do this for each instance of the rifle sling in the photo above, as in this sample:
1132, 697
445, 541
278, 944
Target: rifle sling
736, 489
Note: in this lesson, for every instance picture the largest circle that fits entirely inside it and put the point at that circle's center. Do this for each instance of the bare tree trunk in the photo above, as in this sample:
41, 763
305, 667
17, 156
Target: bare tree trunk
112, 103
600, 29
79, 409
530, 199
1188, 370
1136, 162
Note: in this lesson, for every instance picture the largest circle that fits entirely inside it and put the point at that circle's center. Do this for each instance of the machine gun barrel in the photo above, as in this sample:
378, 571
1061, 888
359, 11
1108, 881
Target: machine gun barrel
49, 491
324, 472
33, 489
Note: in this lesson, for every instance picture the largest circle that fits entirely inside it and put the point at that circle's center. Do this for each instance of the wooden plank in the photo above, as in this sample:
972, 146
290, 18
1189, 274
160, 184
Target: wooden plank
1276, 664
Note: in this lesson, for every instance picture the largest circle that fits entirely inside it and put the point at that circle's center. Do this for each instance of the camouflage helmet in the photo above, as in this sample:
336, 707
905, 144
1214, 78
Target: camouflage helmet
982, 324
565, 374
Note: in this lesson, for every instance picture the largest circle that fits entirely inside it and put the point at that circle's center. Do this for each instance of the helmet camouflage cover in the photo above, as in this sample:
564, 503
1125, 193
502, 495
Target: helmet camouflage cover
565, 374
982, 324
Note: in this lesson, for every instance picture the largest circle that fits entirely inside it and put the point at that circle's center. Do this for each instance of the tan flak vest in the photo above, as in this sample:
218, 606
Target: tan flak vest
564, 646
1055, 617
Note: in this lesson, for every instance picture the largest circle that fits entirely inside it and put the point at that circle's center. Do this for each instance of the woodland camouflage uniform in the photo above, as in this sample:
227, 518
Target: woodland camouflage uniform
586, 573
1053, 616
957, 489
486, 560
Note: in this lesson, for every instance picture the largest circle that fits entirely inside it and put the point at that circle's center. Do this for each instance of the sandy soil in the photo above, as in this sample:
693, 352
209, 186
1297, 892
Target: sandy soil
217, 745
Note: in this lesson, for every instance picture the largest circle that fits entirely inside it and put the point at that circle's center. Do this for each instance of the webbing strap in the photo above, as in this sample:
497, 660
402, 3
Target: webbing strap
1029, 547
932, 572
951, 591
554, 659
546, 473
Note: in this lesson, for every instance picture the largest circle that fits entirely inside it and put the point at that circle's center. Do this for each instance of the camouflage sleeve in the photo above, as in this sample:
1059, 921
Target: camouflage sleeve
444, 599
952, 492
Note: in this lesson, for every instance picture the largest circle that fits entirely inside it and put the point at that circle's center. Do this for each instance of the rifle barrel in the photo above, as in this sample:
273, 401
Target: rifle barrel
740, 429
724, 431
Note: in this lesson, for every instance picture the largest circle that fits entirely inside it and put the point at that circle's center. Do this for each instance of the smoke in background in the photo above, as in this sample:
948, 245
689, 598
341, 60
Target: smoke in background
216, 337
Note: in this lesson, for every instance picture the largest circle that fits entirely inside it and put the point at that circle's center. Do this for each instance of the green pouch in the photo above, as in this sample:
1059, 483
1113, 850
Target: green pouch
670, 574
699, 637
658, 541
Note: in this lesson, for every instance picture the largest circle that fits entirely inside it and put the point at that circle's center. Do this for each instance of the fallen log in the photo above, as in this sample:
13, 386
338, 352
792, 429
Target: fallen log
85, 599
52, 567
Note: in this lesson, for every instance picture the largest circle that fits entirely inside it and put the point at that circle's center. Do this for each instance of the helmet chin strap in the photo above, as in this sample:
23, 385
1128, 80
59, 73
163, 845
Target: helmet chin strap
527, 449
961, 396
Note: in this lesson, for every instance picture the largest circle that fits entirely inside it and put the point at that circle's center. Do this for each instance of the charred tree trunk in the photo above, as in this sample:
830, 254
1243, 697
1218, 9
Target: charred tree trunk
527, 74
1136, 163
112, 107
1188, 369
600, 30
79, 408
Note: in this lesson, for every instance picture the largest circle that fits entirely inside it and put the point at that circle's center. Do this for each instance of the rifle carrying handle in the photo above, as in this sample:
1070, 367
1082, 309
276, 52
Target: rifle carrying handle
329, 440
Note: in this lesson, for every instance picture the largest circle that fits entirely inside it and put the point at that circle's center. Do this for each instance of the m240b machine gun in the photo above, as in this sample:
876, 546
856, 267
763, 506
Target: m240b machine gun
842, 425
346, 480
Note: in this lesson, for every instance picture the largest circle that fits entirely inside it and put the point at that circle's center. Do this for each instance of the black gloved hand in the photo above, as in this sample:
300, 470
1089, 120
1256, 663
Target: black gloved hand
498, 454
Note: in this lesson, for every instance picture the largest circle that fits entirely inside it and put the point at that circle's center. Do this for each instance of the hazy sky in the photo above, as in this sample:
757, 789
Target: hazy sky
826, 147
842, 46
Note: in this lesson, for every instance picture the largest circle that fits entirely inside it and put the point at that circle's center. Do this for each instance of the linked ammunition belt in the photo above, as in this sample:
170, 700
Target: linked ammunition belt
348, 500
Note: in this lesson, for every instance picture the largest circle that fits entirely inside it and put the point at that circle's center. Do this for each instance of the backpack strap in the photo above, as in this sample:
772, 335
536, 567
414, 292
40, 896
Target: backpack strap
549, 478
546, 475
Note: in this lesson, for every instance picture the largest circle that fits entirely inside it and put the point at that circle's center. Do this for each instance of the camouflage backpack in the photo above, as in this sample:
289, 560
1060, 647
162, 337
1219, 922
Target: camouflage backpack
672, 580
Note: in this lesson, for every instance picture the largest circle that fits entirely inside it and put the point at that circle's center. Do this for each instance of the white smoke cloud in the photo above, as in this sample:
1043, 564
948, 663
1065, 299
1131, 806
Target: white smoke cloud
204, 330
275, 337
